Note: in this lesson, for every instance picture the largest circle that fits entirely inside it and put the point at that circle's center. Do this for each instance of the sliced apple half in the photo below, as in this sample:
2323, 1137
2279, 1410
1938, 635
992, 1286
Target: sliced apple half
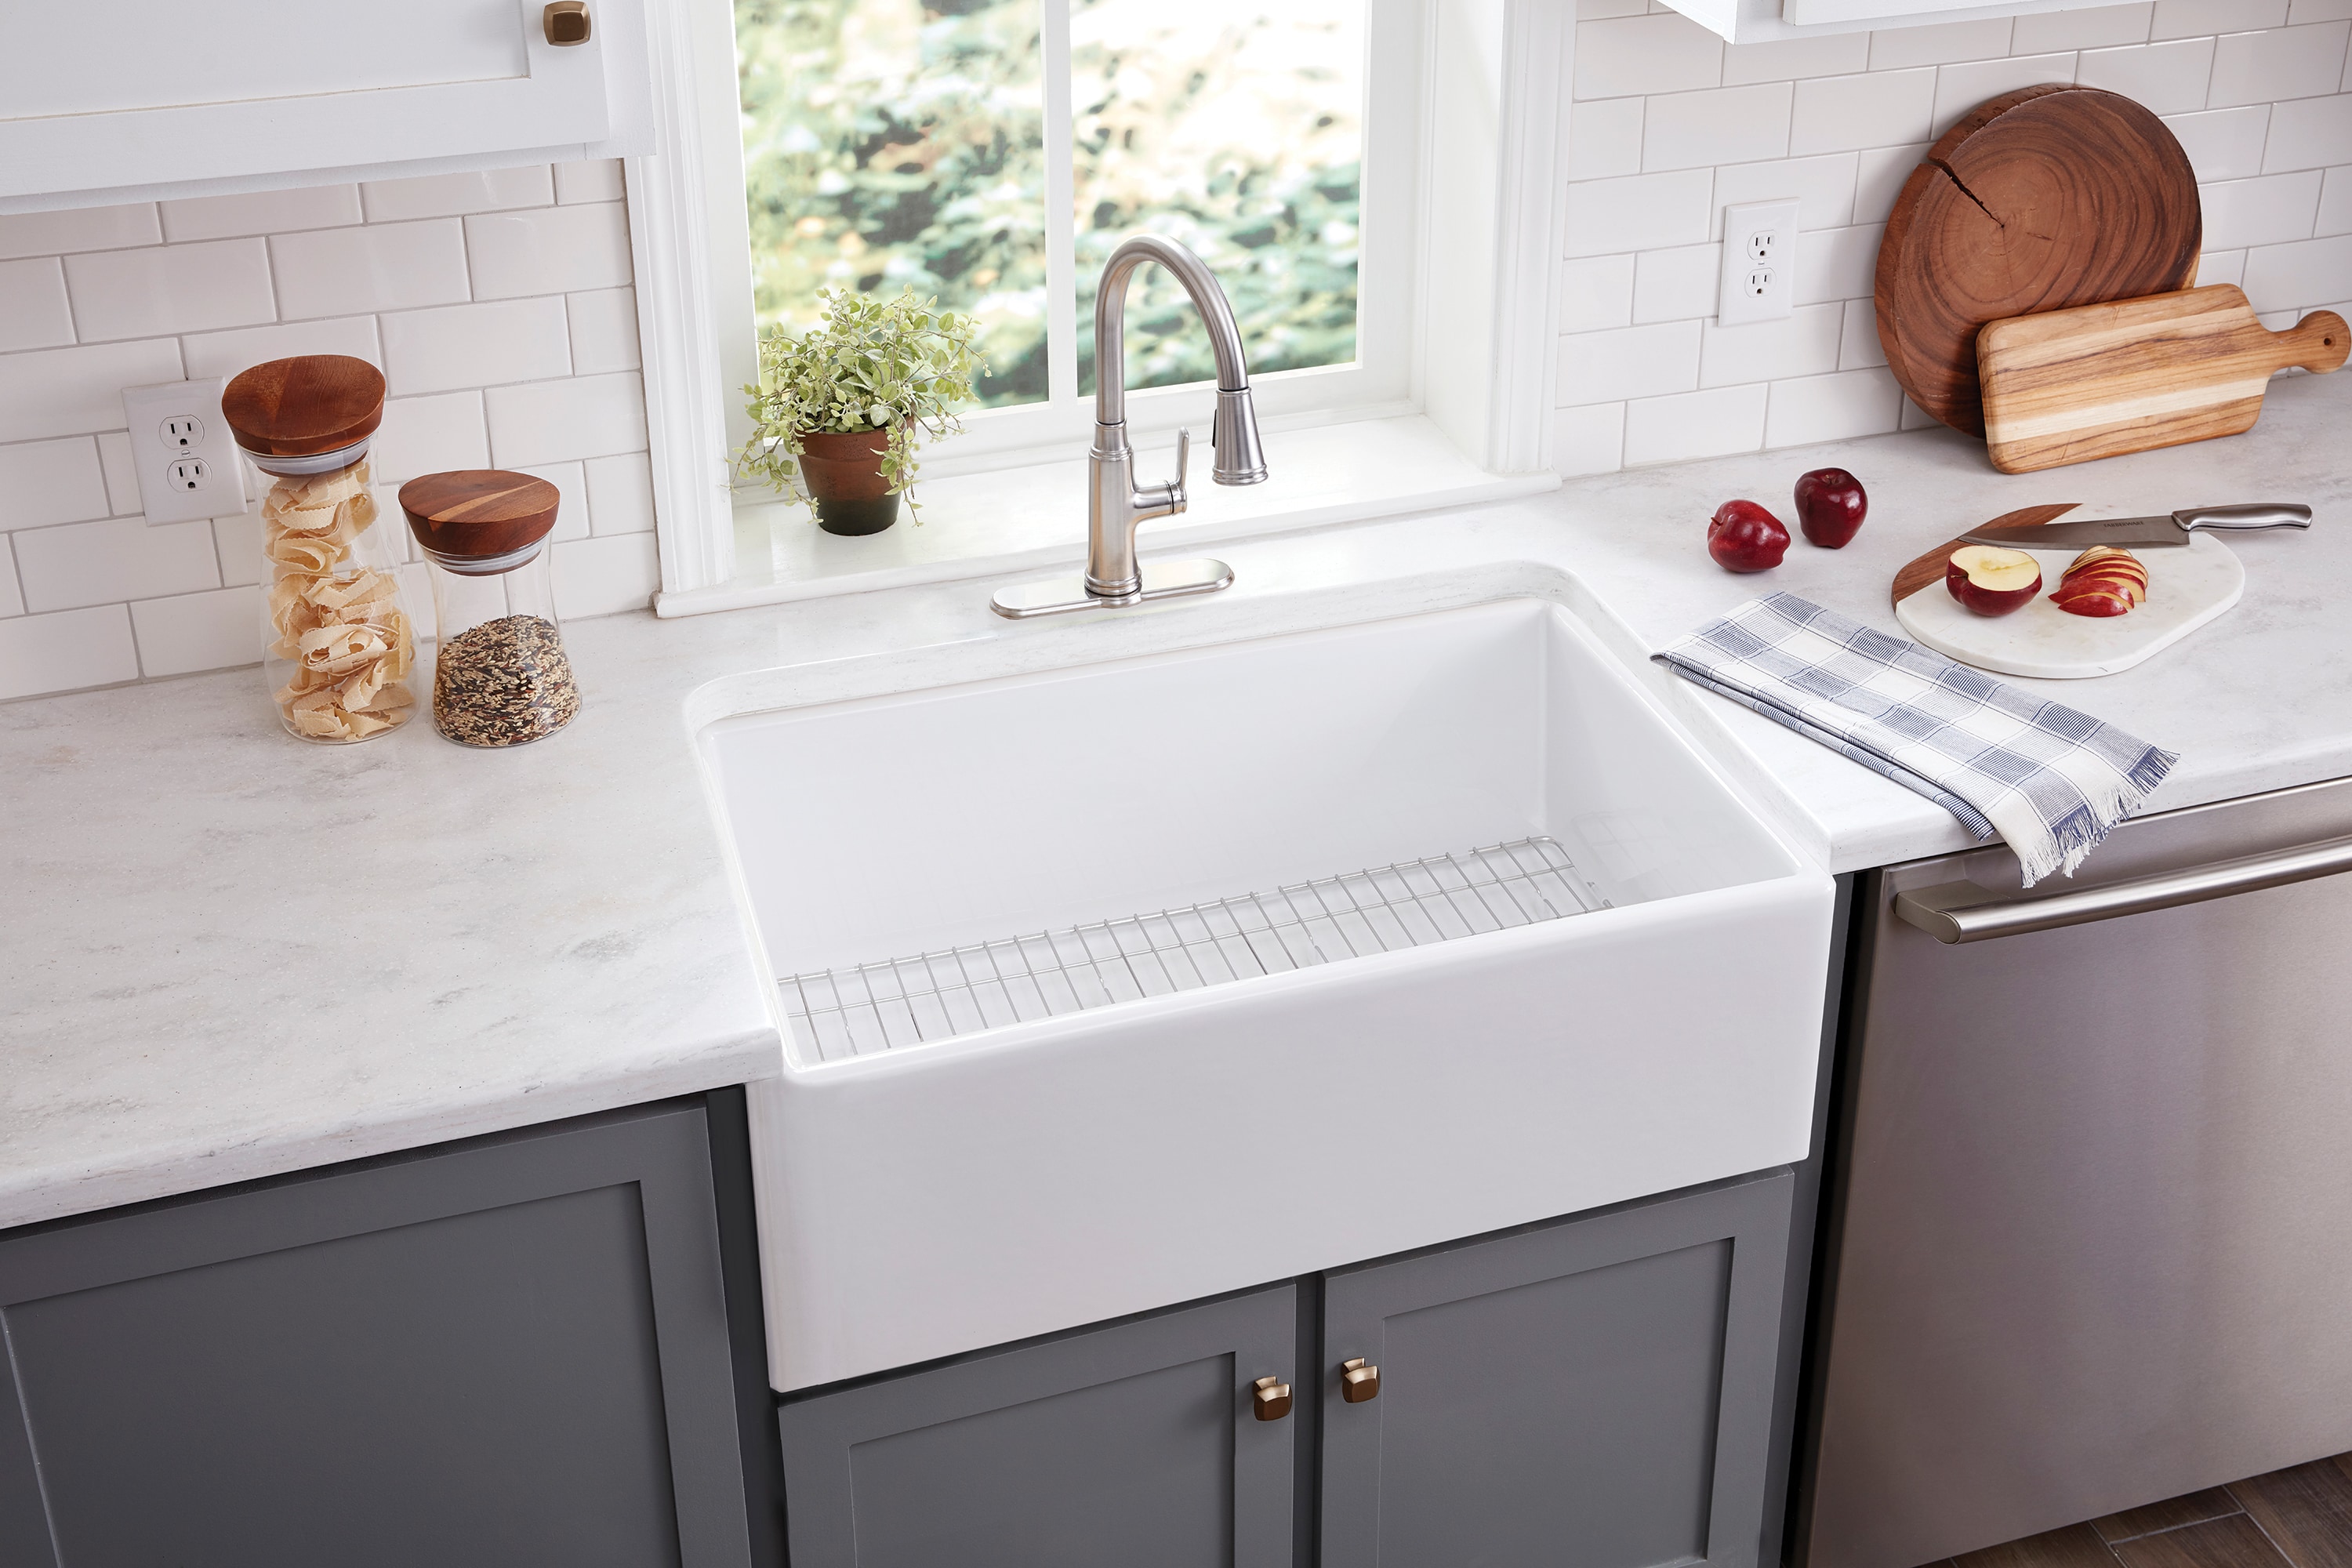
1991, 581
2103, 581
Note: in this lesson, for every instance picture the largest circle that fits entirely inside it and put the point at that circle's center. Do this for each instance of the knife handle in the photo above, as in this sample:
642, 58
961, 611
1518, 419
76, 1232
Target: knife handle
2249, 514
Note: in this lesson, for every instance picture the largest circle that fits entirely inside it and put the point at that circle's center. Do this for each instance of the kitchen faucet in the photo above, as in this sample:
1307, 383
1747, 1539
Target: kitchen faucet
1114, 502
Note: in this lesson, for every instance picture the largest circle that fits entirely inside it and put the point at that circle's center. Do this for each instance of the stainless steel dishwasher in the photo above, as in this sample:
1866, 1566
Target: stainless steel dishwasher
2092, 1242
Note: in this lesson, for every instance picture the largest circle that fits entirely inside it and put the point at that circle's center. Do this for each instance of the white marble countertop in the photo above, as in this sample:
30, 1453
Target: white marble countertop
225, 954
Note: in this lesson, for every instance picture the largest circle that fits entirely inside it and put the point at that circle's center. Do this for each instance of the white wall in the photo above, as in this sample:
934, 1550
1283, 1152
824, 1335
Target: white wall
1670, 125
499, 305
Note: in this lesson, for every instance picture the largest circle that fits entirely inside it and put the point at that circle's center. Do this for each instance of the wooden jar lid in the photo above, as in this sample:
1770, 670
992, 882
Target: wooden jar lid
477, 513
302, 406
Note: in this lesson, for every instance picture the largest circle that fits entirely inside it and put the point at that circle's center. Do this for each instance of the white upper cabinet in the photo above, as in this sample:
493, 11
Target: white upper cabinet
136, 99
1764, 21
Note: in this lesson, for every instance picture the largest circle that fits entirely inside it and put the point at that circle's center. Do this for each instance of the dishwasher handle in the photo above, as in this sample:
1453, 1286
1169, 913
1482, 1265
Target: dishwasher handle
1963, 911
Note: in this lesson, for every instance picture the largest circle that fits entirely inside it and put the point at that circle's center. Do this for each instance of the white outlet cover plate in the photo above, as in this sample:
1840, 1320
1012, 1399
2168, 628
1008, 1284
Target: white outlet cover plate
153, 451
1740, 304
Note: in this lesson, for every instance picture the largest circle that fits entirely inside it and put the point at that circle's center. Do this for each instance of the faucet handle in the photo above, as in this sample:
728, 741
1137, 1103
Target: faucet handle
1184, 456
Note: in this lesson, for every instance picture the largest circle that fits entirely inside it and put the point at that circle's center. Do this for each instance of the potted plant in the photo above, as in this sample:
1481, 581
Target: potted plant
838, 410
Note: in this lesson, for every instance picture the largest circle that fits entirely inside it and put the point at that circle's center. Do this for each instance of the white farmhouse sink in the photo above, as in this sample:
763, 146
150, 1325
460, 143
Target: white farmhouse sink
979, 1137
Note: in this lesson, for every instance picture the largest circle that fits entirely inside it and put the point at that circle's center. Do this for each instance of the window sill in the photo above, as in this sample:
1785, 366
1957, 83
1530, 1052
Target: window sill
1013, 519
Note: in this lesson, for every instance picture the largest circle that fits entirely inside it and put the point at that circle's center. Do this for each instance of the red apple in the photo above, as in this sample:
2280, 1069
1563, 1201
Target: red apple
1992, 581
1830, 507
2102, 581
1744, 537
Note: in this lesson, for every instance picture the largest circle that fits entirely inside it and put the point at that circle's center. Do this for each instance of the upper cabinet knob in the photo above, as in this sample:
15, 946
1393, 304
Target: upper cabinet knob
566, 22
1359, 1381
1270, 1400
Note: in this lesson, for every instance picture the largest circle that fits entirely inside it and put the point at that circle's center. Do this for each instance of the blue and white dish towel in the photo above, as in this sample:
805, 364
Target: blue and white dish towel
2049, 779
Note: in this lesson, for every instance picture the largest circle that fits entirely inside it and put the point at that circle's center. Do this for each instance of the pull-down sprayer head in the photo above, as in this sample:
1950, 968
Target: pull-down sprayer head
1241, 459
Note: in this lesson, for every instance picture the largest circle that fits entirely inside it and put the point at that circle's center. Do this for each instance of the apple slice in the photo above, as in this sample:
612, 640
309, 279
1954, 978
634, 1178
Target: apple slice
1991, 581
2102, 581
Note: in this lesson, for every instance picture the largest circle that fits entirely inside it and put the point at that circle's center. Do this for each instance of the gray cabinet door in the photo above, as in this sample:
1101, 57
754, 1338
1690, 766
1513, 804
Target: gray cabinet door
1132, 1444
507, 1353
1592, 1394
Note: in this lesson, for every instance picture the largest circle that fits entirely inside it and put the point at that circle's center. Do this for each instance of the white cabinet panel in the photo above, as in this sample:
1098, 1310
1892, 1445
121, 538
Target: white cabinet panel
140, 98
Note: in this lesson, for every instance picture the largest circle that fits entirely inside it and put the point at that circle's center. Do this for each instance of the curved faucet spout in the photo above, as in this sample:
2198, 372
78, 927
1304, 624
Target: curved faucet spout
1110, 319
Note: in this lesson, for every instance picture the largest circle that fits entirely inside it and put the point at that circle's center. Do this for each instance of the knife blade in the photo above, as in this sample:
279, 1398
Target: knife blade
2139, 533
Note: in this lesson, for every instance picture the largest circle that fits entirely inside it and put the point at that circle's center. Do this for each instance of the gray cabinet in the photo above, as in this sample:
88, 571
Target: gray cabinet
514, 1351
1592, 1394
1136, 1444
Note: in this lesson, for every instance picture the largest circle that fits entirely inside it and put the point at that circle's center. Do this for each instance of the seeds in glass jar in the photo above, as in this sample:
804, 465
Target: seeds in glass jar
504, 682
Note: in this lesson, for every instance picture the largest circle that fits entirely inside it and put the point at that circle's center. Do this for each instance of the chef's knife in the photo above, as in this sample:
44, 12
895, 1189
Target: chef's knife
2136, 532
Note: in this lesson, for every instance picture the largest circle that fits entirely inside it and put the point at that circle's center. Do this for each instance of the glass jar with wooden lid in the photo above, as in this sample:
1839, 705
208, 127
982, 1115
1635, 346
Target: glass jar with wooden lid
500, 677
338, 642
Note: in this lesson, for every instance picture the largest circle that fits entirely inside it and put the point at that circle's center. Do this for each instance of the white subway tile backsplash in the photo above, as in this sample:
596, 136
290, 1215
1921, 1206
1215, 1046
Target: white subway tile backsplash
601, 576
1879, 176
1961, 88
621, 493
2274, 67
598, 180
2101, 26
1639, 212
12, 603
1668, 53
2223, 144
2308, 133
2220, 266
78, 563
1596, 293
2292, 277
1833, 407
1858, 344
1685, 283
1822, 187
188, 632
121, 479
1939, 44
476, 345
260, 212
2301, 10
604, 331
2187, 18
1604, 138
1837, 263
236, 542
1589, 440
1597, 10
1841, 115
1630, 361
548, 250
1694, 424
160, 290
2336, 204
452, 196
1805, 343
78, 228
58, 652
33, 310
574, 510
2167, 77
77, 391
1720, 125
431, 436
1786, 59
552, 421
43, 482
227, 354
380, 266
2266, 211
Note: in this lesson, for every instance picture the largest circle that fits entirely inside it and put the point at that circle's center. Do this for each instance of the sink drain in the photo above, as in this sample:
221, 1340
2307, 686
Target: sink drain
842, 1013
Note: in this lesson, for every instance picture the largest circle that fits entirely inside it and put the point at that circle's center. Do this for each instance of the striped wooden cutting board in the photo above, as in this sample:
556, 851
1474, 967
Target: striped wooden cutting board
2066, 386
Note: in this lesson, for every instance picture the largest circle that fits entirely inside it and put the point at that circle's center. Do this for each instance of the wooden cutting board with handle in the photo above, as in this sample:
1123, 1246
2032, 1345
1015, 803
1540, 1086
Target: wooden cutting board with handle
2066, 386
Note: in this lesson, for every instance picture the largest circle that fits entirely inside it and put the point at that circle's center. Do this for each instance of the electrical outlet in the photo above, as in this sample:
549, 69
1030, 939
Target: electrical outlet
182, 452
1760, 263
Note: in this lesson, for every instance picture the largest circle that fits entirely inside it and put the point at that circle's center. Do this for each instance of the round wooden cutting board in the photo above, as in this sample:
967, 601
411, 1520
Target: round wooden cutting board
2041, 199
2188, 585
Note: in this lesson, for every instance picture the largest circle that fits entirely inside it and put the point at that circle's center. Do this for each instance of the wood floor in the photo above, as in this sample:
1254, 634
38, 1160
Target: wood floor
2300, 1517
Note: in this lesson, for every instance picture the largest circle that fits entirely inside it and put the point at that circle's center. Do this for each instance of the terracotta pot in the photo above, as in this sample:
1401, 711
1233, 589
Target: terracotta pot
843, 474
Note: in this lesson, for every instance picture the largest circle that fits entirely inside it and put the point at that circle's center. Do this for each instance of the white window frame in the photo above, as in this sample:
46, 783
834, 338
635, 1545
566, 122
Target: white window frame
1458, 323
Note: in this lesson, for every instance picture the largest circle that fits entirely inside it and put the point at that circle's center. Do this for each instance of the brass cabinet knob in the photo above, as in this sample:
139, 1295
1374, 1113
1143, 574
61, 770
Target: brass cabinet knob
1359, 1381
565, 22
1272, 1400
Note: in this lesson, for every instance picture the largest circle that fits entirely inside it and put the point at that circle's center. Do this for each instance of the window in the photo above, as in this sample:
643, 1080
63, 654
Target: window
992, 153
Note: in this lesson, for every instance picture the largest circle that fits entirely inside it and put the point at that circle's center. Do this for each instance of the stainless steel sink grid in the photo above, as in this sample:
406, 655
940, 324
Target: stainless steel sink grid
937, 996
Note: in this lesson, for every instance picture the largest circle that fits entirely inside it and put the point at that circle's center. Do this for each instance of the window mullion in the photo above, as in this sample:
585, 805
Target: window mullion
1061, 201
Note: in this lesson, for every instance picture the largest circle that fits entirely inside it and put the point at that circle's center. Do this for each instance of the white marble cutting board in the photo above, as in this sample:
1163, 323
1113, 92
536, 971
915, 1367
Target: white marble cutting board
2188, 585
